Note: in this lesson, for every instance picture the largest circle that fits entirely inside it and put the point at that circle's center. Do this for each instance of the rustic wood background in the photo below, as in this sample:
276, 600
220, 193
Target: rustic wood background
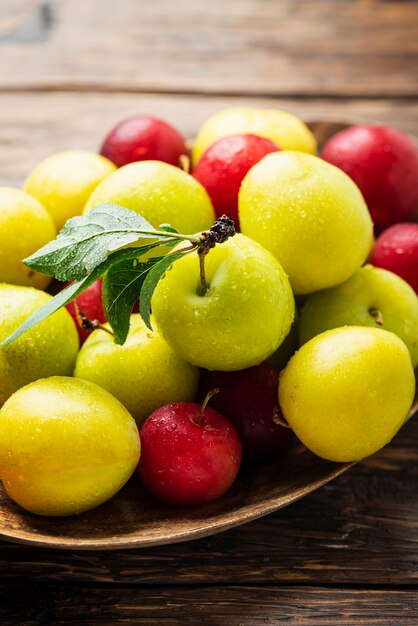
69, 69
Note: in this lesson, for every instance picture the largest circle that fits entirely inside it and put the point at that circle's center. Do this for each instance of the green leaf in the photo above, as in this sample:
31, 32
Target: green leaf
100, 243
153, 276
86, 241
117, 264
61, 299
121, 288
169, 229
76, 288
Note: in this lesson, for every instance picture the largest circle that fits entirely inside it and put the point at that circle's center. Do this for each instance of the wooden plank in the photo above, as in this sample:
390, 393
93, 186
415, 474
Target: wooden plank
364, 48
360, 529
214, 606
35, 125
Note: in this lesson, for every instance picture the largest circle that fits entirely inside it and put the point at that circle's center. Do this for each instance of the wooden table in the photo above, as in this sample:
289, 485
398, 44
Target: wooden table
69, 69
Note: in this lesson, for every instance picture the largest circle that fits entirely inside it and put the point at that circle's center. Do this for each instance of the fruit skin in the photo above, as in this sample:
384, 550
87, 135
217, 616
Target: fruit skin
223, 166
310, 215
143, 138
371, 297
64, 182
288, 347
243, 317
384, 164
66, 446
25, 226
347, 392
161, 193
248, 399
184, 463
91, 305
282, 128
48, 349
144, 373
396, 249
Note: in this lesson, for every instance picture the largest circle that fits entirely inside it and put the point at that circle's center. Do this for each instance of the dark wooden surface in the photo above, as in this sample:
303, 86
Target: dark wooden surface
275, 47
69, 69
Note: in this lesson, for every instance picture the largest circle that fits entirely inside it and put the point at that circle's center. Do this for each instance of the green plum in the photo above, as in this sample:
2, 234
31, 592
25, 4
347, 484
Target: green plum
310, 215
160, 192
347, 391
242, 318
284, 129
48, 349
66, 446
143, 374
371, 297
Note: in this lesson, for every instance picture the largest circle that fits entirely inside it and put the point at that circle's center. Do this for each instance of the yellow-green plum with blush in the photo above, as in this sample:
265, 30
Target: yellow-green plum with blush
25, 226
282, 128
48, 349
371, 297
144, 373
309, 215
240, 320
160, 192
66, 446
347, 391
63, 182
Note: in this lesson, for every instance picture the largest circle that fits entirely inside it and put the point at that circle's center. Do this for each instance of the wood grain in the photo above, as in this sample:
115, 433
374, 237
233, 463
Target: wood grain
133, 519
361, 529
345, 48
214, 606
33, 126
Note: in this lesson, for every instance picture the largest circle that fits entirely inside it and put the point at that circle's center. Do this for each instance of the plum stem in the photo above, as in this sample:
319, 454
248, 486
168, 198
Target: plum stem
279, 419
184, 162
377, 315
89, 325
209, 395
203, 284
219, 232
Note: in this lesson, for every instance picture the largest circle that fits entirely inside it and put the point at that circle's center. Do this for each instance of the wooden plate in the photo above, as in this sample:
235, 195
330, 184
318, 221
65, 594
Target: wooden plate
132, 519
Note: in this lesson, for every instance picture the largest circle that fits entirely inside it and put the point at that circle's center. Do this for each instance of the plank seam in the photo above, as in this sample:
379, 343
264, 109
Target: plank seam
109, 89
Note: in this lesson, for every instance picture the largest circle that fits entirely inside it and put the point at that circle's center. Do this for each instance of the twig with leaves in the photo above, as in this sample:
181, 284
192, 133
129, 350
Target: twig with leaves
115, 243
